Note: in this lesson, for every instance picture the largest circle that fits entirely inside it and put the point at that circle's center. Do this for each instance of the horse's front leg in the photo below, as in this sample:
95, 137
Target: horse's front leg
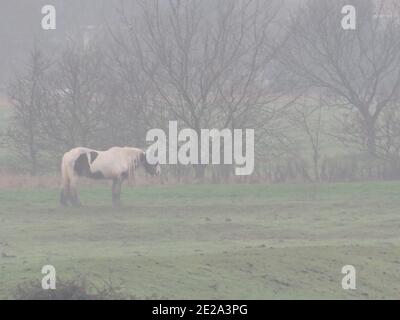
116, 191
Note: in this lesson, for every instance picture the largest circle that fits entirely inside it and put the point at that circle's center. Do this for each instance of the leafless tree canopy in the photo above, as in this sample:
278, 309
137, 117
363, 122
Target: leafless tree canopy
289, 72
358, 69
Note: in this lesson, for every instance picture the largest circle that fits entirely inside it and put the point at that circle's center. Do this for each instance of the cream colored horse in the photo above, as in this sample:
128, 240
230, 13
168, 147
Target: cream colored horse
116, 164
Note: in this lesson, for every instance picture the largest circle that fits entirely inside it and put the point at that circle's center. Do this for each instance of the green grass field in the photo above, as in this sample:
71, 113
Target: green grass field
206, 241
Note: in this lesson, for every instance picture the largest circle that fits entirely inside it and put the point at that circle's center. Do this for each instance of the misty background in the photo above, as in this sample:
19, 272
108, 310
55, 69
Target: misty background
325, 106
323, 101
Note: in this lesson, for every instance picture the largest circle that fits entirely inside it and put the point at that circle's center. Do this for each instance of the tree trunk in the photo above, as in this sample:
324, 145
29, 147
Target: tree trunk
317, 175
32, 155
371, 135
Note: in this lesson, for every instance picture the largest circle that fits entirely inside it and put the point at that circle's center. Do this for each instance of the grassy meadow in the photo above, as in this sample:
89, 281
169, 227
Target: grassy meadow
209, 241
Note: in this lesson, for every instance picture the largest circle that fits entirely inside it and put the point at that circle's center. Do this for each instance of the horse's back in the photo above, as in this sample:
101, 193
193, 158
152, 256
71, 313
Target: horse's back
70, 156
111, 163
116, 161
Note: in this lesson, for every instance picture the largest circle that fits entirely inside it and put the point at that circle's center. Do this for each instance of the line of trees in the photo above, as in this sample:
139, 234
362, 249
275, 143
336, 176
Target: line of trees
296, 77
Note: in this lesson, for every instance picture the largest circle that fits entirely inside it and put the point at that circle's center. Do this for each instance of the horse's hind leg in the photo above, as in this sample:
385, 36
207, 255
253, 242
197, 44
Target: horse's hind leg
64, 194
73, 194
64, 197
74, 198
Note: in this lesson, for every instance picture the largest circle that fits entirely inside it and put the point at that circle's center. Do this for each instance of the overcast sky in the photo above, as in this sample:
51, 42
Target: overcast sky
20, 26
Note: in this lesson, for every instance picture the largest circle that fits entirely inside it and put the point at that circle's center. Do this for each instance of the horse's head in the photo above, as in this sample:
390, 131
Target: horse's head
152, 169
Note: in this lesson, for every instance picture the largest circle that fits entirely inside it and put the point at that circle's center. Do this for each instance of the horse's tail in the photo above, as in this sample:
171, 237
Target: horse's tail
65, 182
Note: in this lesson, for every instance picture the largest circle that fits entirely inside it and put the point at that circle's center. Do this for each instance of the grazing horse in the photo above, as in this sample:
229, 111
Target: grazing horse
116, 164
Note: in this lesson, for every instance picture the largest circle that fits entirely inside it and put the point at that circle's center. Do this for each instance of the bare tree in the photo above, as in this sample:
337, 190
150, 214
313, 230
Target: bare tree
27, 95
206, 61
74, 113
389, 132
306, 116
358, 69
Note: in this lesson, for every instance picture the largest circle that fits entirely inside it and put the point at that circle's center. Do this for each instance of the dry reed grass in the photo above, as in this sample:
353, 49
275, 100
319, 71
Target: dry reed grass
9, 180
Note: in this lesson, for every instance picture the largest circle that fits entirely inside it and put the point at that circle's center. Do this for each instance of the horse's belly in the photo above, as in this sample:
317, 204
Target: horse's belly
109, 165
108, 173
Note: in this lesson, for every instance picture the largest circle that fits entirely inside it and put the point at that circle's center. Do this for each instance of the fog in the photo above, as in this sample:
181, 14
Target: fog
200, 149
20, 25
